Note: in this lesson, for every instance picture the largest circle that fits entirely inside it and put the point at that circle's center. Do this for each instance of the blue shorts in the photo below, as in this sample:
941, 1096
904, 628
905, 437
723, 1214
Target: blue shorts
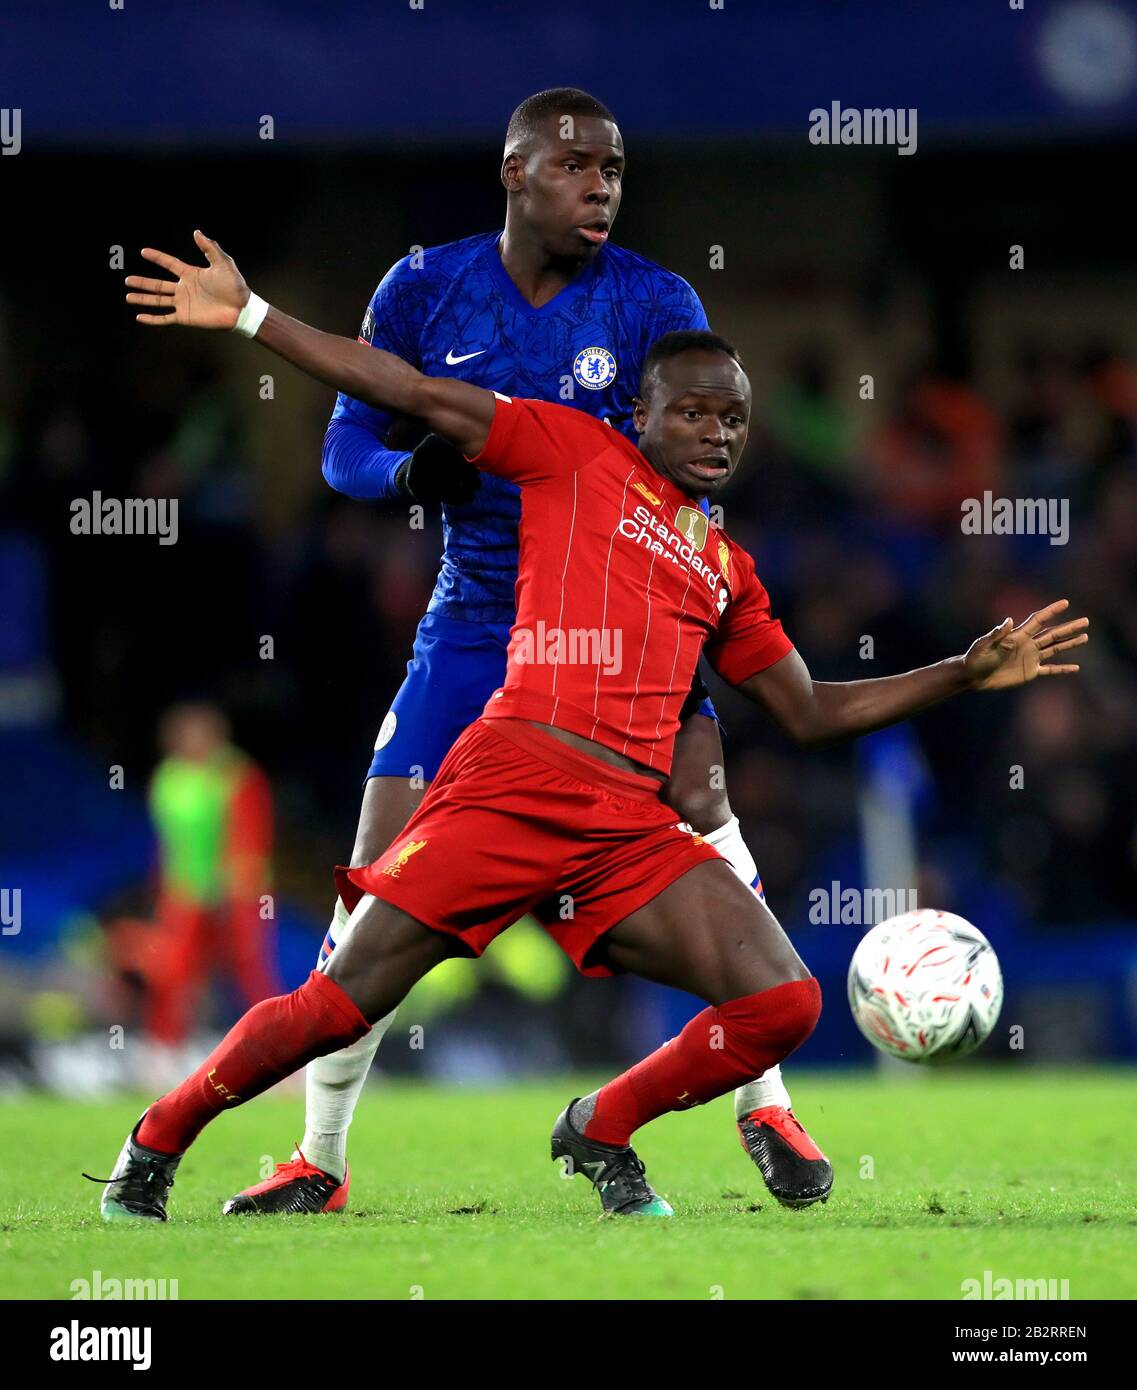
457, 666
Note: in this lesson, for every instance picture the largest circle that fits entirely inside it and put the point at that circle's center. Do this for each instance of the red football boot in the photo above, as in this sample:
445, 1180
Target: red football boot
792, 1166
296, 1187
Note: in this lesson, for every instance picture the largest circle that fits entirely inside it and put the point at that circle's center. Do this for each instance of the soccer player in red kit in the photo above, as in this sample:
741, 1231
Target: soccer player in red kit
552, 797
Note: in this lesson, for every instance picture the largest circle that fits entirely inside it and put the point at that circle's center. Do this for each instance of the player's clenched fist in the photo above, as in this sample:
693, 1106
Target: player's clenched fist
438, 472
1009, 656
210, 296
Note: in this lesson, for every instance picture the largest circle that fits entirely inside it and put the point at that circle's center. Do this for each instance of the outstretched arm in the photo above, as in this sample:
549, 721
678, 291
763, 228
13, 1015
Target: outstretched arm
817, 712
213, 296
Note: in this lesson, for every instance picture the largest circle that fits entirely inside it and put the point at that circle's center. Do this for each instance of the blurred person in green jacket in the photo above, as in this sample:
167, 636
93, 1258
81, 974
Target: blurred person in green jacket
213, 814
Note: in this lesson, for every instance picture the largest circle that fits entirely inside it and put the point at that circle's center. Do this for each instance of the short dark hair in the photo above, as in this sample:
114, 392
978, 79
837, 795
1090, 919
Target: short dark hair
556, 101
682, 340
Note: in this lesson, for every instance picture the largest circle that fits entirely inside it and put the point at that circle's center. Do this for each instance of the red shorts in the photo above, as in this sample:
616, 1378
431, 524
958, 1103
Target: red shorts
518, 822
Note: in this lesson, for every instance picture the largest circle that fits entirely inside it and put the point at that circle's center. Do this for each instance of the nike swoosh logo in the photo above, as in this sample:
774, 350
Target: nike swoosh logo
452, 361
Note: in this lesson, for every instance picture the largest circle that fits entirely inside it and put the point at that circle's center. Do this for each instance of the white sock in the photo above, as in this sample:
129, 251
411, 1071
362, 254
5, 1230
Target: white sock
769, 1089
727, 839
333, 1084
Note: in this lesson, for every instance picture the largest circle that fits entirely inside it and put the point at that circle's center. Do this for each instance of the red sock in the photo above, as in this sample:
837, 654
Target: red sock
717, 1051
274, 1039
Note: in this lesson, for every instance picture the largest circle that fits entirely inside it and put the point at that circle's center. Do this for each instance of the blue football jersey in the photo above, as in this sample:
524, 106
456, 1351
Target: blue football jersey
453, 311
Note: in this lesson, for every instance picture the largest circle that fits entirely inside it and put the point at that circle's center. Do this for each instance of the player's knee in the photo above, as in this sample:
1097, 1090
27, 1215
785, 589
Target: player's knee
703, 807
778, 1019
803, 1009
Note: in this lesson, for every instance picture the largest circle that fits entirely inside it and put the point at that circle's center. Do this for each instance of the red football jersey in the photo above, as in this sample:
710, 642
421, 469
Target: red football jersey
621, 580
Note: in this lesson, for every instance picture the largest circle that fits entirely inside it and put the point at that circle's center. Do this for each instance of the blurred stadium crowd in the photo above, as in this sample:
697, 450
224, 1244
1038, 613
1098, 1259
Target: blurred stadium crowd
981, 381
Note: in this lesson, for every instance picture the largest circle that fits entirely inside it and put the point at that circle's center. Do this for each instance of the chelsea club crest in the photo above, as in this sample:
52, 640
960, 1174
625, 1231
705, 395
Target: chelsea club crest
595, 368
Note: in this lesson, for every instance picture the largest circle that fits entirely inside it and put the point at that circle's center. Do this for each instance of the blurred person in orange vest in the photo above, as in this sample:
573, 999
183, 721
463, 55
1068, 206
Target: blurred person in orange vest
212, 811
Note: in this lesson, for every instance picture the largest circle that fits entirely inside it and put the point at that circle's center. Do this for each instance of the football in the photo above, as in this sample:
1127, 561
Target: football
925, 986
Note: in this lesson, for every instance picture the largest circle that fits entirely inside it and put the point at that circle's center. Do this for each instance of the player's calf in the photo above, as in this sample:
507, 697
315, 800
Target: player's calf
275, 1038
793, 1168
717, 1050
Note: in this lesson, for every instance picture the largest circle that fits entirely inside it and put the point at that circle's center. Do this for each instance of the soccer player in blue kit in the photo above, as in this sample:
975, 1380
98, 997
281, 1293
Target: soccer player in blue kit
546, 309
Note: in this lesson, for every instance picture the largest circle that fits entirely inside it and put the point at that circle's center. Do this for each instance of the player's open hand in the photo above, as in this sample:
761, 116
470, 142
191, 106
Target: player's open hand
1009, 656
209, 296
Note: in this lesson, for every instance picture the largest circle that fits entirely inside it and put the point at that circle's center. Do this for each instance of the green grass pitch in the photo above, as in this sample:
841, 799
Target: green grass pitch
939, 1178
